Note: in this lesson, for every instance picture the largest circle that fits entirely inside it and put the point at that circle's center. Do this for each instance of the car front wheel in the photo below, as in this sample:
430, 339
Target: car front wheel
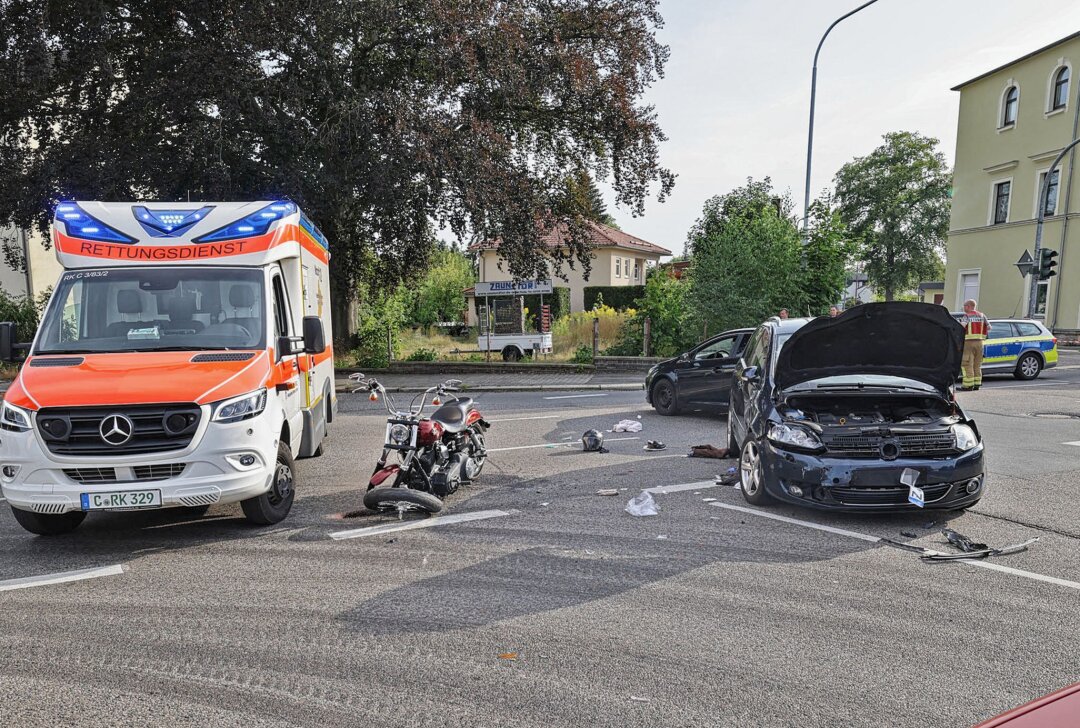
752, 475
663, 397
1029, 367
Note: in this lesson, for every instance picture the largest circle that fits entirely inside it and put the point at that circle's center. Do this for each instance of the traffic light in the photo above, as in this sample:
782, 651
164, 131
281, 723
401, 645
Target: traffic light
1045, 268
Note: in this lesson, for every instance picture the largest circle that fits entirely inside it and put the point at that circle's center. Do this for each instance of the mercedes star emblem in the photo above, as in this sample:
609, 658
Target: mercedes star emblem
115, 430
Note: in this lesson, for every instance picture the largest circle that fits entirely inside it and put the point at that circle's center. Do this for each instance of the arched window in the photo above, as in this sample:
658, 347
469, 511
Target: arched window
1060, 95
1012, 103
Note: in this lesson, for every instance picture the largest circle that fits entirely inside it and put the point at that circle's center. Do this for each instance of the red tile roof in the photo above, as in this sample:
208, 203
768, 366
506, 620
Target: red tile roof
600, 236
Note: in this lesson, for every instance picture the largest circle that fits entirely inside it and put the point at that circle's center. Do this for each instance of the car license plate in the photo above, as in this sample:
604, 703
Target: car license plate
125, 499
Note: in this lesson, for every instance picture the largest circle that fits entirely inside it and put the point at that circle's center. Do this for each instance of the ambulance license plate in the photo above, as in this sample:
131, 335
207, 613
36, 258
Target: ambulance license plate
126, 499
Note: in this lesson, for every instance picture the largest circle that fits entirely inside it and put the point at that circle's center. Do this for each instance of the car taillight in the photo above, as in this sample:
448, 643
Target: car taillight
1054, 340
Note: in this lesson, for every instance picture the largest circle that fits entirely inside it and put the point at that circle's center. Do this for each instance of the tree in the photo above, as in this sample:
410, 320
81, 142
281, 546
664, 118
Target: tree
745, 258
385, 120
828, 252
663, 302
440, 295
895, 201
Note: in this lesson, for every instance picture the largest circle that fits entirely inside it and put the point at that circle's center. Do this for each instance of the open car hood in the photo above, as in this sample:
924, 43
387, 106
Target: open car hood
919, 341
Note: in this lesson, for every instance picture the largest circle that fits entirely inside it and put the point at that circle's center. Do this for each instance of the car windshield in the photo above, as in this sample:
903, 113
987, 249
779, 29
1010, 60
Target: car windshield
154, 309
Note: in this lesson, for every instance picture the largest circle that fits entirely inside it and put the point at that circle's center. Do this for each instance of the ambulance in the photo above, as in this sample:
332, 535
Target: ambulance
182, 362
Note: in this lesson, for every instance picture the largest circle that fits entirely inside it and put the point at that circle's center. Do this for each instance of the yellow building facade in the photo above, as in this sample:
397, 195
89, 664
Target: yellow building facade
1013, 122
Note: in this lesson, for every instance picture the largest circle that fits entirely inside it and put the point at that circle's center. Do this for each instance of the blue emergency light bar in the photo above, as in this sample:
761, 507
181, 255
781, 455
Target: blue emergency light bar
79, 224
257, 223
168, 223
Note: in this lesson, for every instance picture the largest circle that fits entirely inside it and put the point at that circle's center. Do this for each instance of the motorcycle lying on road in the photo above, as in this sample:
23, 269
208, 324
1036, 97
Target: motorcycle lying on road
435, 455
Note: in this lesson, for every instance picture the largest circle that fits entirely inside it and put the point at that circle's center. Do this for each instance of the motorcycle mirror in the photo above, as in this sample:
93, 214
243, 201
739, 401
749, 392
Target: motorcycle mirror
374, 396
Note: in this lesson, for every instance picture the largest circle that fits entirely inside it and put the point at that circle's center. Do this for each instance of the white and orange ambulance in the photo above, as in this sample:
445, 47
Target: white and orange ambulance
182, 361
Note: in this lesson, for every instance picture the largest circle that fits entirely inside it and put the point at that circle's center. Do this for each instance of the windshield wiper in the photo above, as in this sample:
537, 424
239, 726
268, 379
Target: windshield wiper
63, 351
180, 348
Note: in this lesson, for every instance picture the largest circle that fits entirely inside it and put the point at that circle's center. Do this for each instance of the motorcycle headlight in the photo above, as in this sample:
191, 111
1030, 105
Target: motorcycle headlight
965, 437
791, 436
399, 434
14, 419
240, 408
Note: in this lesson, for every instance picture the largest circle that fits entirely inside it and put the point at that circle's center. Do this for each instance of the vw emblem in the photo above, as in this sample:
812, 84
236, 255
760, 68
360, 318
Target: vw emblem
115, 430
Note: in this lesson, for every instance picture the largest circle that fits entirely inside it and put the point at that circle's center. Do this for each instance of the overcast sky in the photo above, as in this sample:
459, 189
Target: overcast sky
735, 98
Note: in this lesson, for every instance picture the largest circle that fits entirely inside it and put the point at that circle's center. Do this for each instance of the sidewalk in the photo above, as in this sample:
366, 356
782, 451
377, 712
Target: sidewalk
473, 381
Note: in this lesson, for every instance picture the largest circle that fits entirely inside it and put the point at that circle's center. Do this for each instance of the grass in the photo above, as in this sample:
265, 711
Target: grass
8, 372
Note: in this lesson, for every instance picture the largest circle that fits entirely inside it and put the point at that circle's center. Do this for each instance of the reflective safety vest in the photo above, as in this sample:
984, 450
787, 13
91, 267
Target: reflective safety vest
975, 326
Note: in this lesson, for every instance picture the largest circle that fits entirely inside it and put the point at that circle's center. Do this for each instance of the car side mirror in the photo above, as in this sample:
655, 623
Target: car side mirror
7, 341
314, 335
685, 356
750, 374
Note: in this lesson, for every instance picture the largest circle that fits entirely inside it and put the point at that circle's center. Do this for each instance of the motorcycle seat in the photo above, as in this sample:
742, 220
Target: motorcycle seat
452, 414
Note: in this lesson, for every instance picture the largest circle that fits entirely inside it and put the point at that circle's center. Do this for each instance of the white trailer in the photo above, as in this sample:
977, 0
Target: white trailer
502, 319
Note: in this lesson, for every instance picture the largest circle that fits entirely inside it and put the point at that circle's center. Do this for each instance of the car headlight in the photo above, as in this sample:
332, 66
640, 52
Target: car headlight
965, 437
790, 436
399, 434
14, 419
240, 408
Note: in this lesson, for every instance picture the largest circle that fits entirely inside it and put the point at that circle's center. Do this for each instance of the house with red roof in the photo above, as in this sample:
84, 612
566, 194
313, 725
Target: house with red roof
618, 259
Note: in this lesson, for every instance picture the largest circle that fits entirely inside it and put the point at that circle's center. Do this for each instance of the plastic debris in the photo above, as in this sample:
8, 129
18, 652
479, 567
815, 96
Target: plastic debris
608, 491
642, 504
962, 542
909, 534
728, 477
508, 656
662, 537
627, 426
708, 500
654, 445
929, 524
708, 451
636, 699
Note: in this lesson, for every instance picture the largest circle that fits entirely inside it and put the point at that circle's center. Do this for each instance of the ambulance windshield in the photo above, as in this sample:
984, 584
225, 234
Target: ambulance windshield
155, 309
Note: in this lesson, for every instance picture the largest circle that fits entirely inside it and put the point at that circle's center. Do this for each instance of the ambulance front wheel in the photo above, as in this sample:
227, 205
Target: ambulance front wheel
48, 524
273, 505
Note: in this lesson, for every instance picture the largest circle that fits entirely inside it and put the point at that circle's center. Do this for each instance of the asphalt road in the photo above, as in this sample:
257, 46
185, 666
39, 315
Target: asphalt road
565, 611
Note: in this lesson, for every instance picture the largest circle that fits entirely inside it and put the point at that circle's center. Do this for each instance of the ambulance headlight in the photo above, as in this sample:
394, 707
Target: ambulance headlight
240, 408
14, 419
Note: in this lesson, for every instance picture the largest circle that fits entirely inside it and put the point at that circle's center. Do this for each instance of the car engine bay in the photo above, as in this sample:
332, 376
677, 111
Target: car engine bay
821, 411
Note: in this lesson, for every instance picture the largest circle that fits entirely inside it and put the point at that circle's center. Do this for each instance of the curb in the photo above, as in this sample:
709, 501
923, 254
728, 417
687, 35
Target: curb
340, 389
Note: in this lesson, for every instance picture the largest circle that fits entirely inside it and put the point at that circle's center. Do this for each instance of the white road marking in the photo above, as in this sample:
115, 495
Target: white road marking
537, 417
62, 577
410, 525
1075, 442
576, 396
1034, 384
555, 444
683, 486
982, 564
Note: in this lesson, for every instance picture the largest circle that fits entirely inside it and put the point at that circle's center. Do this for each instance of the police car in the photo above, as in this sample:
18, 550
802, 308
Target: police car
1020, 346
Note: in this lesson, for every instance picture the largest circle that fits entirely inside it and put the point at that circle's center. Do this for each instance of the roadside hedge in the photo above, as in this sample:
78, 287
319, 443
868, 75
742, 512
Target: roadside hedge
619, 298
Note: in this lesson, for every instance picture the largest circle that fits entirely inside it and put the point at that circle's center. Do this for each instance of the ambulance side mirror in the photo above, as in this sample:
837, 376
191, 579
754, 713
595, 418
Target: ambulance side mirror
7, 341
314, 335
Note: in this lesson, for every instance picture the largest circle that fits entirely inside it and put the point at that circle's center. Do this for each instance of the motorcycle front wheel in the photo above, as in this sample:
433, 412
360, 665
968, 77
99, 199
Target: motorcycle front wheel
386, 498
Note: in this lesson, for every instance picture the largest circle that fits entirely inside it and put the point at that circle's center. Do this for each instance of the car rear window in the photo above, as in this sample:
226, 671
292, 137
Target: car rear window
1027, 329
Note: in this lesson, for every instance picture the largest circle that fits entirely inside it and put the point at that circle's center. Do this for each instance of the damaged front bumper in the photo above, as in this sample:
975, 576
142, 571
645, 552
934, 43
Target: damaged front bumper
867, 485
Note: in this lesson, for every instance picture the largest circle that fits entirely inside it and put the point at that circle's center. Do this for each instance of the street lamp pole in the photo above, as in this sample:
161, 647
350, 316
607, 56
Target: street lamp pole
813, 97
1043, 193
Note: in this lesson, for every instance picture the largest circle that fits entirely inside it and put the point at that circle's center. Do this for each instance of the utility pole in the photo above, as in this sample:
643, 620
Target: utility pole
810, 140
1037, 253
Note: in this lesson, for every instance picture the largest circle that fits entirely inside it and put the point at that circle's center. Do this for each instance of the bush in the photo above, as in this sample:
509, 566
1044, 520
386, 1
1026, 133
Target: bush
575, 330
582, 355
24, 311
664, 302
423, 354
379, 312
619, 298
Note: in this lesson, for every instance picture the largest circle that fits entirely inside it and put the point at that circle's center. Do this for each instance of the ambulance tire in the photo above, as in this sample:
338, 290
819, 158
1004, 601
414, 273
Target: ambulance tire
48, 524
272, 506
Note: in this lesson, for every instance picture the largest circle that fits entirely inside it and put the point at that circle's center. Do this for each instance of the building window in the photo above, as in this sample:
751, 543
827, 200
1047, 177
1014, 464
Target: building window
618, 267
1001, 202
1051, 192
1061, 89
1012, 104
626, 266
637, 270
1042, 288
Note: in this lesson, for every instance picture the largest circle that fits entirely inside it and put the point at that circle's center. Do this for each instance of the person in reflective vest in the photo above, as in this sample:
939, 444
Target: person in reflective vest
976, 329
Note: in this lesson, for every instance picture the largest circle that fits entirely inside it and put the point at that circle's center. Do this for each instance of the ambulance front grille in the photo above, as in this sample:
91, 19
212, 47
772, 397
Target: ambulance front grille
157, 428
91, 475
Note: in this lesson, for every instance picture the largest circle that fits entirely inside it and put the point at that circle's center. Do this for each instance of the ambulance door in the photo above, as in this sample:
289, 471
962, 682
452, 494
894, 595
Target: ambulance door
286, 366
